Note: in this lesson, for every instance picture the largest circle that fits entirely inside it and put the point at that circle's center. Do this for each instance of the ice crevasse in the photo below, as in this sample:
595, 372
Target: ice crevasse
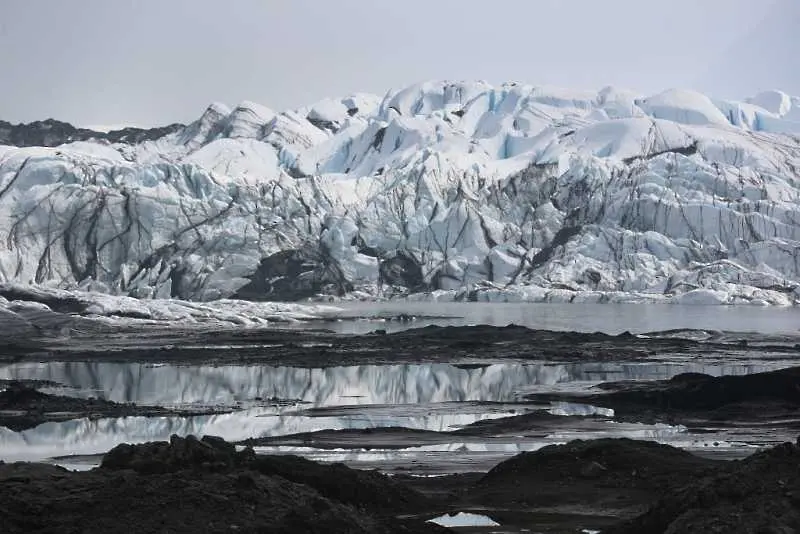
441, 190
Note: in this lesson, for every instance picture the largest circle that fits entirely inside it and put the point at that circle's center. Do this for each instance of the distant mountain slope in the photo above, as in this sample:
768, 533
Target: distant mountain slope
451, 190
52, 133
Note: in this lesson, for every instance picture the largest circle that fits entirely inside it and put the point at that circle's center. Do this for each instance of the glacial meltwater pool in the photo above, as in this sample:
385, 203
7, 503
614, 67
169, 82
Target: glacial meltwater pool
434, 402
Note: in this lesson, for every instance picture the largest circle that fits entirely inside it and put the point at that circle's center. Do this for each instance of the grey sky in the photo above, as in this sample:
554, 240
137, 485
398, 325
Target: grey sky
157, 61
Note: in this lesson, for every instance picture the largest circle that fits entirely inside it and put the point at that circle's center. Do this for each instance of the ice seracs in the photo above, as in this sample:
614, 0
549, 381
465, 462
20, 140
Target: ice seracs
775, 102
682, 107
442, 189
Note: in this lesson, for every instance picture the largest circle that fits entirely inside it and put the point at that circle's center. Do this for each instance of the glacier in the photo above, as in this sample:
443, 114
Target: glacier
438, 191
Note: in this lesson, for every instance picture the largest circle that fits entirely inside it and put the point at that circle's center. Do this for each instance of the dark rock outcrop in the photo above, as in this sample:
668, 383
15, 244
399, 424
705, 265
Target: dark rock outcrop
402, 270
293, 275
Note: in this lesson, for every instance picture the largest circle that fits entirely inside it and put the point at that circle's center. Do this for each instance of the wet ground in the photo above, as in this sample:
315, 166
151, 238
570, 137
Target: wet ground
435, 406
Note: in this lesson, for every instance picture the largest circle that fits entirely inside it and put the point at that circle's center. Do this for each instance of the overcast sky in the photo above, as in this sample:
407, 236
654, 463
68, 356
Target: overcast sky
151, 62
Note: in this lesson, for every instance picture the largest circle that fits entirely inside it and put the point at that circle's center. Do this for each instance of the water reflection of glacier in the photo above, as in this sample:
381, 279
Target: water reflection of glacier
435, 397
334, 386
83, 436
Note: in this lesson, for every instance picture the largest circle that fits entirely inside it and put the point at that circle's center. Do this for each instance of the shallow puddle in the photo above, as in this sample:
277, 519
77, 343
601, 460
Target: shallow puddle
464, 519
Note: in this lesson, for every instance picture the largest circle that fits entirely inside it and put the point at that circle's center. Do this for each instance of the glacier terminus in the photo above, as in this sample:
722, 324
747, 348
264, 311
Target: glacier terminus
444, 191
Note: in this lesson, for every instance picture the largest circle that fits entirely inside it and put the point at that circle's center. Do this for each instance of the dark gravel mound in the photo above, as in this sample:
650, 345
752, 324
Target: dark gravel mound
361, 488
210, 453
197, 485
694, 391
593, 471
367, 489
620, 461
758, 495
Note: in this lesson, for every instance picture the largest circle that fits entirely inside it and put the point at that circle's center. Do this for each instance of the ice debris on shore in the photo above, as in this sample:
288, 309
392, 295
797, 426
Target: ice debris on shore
24, 308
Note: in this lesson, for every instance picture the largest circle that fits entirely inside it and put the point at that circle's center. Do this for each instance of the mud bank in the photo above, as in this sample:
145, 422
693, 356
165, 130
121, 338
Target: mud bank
471, 345
694, 399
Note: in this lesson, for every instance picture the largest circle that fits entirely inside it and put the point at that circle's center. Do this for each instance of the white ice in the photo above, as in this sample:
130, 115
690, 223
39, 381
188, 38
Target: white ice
496, 193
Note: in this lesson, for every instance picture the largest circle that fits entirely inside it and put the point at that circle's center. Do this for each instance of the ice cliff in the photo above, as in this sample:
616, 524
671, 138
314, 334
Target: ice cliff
440, 190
